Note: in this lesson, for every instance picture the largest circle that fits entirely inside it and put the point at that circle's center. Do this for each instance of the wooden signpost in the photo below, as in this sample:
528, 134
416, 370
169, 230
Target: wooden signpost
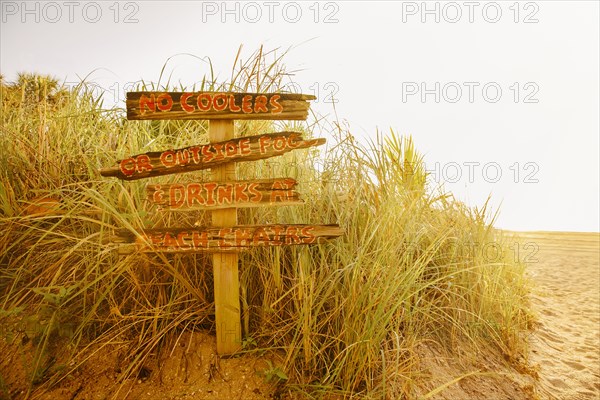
210, 155
223, 194
216, 195
225, 266
215, 105
233, 239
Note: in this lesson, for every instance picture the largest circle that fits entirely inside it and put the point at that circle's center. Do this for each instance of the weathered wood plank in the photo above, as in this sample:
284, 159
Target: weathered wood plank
225, 266
217, 105
229, 239
218, 195
193, 158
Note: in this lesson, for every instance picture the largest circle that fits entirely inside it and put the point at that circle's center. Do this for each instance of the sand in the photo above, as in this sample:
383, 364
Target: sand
565, 268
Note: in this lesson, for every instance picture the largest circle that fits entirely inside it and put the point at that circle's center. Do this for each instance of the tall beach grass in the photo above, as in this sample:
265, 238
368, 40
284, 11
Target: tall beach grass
414, 266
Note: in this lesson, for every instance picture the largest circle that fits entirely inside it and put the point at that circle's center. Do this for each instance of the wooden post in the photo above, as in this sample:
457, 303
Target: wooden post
225, 265
224, 193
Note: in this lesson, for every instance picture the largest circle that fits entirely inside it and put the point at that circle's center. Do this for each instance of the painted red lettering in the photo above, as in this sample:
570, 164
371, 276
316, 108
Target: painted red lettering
256, 194
219, 150
232, 106
247, 104
143, 163
279, 143
169, 241
245, 147
240, 193
199, 239
194, 196
277, 231
243, 237
291, 234
207, 154
260, 104
210, 193
183, 157
156, 239
164, 102
195, 154
147, 102
127, 166
263, 142
157, 196
223, 236
307, 234
182, 238
261, 237
219, 102
294, 140
184, 104
231, 149
167, 158
176, 195
277, 194
276, 108
204, 101
225, 194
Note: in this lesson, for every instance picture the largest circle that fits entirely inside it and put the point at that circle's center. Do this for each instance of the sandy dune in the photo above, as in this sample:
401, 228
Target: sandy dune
565, 268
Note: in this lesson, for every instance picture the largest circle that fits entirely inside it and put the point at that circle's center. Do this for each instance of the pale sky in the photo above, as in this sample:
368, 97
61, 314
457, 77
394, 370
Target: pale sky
502, 97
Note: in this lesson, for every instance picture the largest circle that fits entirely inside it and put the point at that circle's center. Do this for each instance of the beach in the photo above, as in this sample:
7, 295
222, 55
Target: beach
565, 269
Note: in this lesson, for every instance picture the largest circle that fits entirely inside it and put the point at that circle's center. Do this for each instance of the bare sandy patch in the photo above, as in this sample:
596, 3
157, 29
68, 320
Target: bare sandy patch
565, 268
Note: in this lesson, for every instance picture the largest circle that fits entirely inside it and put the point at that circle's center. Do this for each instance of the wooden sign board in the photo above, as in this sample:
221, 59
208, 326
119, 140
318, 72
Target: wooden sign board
223, 194
193, 158
231, 239
217, 195
217, 105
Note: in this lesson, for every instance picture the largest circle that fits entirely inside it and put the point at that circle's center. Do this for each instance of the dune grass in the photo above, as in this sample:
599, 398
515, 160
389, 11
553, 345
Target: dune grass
414, 265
